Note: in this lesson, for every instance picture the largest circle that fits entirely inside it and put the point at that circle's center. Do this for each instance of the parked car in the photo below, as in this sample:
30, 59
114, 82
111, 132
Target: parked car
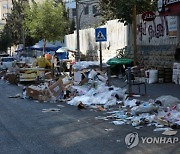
7, 62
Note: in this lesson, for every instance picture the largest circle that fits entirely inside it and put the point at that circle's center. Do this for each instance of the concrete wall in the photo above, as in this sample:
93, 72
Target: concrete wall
154, 32
116, 39
155, 46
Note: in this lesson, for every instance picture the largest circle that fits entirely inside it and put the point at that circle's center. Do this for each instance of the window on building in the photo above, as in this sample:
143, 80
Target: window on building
86, 10
5, 15
94, 9
5, 6
73, 12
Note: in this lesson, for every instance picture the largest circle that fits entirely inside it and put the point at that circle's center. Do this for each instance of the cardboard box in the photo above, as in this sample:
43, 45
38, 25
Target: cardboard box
45, 94
12, 78
56, 88
80, 77
34, 92
2, 73
48, 75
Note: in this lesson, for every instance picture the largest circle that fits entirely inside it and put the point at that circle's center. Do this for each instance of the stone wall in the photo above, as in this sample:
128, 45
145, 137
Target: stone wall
155, 56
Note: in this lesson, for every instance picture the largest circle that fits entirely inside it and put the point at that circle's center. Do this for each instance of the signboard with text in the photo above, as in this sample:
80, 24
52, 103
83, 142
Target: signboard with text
172, 26
148, 16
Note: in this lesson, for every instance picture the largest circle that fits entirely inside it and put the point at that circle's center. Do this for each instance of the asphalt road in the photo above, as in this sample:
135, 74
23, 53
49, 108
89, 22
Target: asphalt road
24, 128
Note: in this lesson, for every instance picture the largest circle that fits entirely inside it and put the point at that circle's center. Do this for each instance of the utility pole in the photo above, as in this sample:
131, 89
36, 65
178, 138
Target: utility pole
134, 36
22, 31
77, 30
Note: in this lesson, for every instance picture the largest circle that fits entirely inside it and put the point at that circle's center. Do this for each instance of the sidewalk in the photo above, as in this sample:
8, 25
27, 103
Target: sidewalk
153, 90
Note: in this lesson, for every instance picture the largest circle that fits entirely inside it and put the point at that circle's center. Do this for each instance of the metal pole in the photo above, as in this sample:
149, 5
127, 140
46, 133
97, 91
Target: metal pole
22, 32
77, 28
100, 51
178, 30
129, 80
134, 36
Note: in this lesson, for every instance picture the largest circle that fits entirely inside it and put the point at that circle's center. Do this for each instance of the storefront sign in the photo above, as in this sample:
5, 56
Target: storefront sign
167, 2
172, 26
169, 7
148, 16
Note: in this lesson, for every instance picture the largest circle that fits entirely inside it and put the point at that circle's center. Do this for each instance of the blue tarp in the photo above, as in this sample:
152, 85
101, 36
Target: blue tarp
63, 55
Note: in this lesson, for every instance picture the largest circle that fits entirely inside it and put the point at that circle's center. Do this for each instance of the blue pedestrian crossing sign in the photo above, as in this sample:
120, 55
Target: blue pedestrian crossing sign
101, 34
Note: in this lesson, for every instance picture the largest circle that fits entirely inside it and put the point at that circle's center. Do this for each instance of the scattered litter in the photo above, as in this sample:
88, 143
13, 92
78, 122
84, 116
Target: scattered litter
159, 126
100, 108
168, 101
145, 108
162, 129
169, 132
88, 90
16, 96
118, 141
138, 127
101, 118
108, 129
130, 103
136, 96
51, 110
118, 122
81, 106
149, 125
61, 106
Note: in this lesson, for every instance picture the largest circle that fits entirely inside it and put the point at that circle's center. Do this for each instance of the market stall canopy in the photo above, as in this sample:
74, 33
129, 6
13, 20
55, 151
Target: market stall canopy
62, 53
40, 45
64, 49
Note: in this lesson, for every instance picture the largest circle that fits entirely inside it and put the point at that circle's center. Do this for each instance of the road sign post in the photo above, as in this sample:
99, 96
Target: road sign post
100, 50
101, 36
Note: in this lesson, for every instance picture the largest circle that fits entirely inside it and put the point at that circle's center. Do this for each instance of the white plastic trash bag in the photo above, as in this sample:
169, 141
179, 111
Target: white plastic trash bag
151, 76
168, 100
92, 74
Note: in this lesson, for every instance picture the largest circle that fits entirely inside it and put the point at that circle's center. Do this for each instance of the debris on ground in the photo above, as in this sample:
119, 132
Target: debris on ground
169, 132
108, 129
51, 110
89, 89
16, 96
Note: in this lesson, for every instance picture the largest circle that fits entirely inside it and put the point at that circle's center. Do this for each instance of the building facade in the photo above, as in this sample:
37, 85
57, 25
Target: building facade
5, 8
87, 12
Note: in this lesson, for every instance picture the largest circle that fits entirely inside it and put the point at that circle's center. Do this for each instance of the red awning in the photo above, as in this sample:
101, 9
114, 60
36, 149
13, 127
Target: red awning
171, 10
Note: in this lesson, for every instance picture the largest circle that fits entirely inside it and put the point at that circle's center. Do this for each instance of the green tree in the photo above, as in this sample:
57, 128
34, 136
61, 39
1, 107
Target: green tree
123, 9
14, 21
5, 39
46, 21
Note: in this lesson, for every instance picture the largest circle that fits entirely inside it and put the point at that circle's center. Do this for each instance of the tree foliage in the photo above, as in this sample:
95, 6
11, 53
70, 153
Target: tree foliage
13, 32
46, 21
5, 39
13, 27
123, 9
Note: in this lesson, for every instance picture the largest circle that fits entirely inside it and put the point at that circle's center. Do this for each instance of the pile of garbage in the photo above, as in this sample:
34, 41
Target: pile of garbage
88, 89
164, 113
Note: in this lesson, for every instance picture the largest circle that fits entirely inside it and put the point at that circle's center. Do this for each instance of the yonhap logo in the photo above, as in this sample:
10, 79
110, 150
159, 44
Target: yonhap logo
132, 139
